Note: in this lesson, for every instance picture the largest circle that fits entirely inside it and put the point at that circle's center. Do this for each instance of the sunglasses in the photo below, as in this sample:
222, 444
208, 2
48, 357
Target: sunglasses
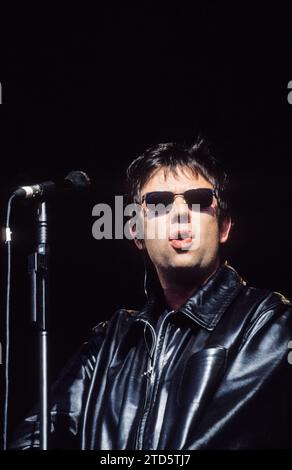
201, 196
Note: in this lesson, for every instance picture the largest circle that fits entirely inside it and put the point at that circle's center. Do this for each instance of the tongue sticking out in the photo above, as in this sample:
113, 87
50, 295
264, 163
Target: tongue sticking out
182, 243
181, 239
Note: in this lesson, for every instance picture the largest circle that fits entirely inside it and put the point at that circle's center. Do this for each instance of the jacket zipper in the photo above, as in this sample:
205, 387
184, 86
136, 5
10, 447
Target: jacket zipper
150, 377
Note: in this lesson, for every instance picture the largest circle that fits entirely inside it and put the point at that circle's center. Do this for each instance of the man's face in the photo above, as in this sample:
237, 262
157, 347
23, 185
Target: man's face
192, 237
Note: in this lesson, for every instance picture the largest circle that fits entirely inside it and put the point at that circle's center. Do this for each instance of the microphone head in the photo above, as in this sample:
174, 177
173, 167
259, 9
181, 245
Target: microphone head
36, 190
79, 179
75, 180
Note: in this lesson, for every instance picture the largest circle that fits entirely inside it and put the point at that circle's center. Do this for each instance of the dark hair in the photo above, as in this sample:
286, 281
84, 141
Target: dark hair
198, 157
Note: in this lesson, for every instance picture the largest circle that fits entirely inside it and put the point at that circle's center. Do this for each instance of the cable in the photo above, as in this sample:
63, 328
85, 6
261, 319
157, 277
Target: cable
145, 278
7, 323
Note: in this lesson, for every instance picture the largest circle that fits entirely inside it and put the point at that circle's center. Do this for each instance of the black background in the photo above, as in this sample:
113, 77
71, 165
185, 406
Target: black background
90, 89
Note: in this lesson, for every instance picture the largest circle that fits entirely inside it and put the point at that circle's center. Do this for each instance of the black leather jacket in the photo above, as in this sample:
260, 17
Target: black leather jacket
214, 374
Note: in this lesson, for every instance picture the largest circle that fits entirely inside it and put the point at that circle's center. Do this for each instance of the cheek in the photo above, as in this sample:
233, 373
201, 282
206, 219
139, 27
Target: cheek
157, 251
156, 237
209, 229
156, 229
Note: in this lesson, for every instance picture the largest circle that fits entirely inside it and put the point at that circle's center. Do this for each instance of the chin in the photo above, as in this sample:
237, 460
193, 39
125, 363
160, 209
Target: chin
187, 256
185, 263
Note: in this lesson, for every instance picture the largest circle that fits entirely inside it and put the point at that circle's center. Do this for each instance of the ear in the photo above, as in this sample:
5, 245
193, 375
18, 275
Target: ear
140, 244
225, 230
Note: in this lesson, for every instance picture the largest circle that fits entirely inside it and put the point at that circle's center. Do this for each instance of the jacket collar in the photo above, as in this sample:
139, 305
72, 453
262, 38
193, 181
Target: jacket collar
207, 305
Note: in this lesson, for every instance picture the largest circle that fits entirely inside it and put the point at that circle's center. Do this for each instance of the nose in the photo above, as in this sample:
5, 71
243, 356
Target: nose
180, 210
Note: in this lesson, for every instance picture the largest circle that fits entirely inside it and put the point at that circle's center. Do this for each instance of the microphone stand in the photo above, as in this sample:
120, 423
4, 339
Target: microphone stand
38, 271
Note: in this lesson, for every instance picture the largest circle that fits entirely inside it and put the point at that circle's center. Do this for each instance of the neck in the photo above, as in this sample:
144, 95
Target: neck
178, 288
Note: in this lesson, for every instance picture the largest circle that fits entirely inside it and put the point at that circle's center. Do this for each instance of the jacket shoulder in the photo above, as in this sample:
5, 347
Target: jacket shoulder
265, 298
270, 308
115, 327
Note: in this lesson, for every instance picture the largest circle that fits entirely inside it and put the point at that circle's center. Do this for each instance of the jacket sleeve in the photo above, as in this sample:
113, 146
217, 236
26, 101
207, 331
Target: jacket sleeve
67, 401
252, 407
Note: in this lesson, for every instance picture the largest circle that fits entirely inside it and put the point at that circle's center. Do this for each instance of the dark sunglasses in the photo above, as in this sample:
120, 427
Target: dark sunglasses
201, 196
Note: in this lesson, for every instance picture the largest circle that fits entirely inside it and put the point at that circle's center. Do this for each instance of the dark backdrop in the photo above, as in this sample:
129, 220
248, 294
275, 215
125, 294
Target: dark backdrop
90, 90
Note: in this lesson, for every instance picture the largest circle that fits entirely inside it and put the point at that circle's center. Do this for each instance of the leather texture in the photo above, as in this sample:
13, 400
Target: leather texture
212, 375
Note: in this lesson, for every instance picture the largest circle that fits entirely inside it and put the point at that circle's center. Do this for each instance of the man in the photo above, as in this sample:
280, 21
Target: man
204, 364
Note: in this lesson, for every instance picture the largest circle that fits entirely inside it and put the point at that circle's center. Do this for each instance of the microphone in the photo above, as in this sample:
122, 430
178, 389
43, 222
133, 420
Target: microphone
75, 180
